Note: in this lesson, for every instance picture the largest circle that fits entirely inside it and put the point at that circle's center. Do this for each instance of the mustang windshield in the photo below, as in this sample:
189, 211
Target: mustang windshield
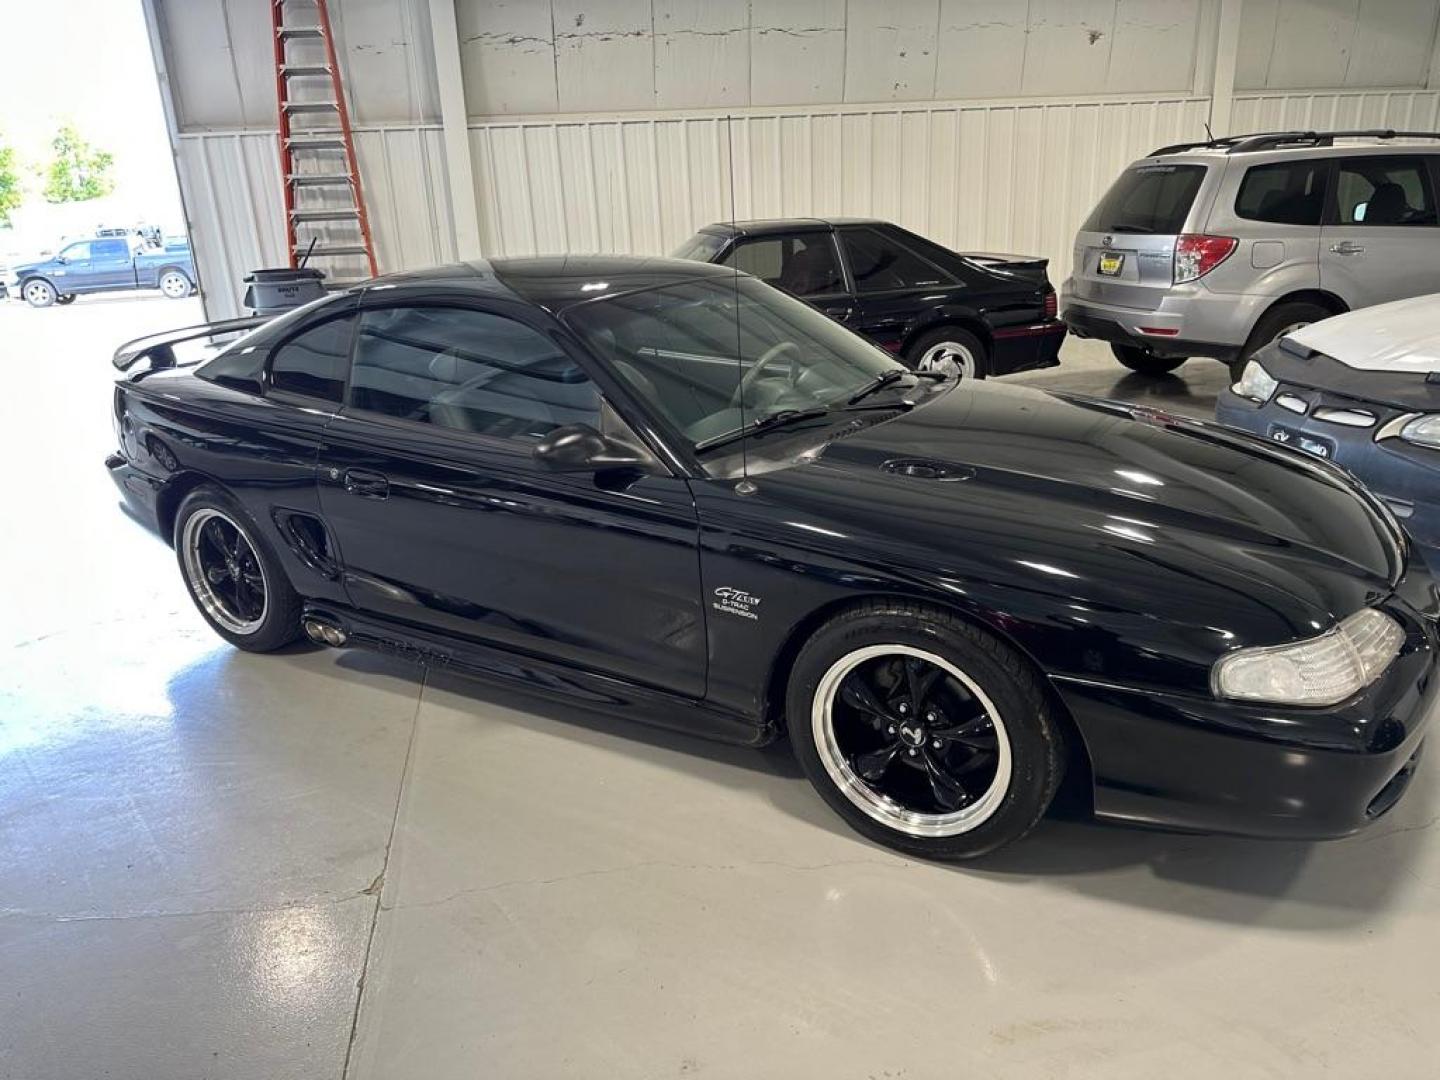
677, 347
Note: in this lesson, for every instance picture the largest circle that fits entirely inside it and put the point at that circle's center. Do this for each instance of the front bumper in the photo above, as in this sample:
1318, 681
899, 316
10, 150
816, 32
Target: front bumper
1205, 765
1405, 476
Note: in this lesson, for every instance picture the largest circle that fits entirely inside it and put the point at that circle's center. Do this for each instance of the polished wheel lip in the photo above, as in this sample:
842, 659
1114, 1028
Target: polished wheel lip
174, 285
948, 358
195, 571
878, 807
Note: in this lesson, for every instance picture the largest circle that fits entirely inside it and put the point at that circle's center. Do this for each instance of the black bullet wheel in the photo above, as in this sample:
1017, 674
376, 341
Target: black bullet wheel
233, 575
923, 732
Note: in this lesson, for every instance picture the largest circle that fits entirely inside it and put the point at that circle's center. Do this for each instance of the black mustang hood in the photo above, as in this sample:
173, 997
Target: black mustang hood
1095, 505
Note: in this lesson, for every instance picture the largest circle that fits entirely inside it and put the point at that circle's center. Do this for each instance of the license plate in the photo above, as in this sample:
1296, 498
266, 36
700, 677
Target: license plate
1309, 443
1111, 263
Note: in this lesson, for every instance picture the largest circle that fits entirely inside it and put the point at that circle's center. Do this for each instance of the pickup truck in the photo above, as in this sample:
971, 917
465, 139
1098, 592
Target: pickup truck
104, 264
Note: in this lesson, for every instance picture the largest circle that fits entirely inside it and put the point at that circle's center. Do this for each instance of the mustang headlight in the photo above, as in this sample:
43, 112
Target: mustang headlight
1423, 431
1255, 383
1323, 670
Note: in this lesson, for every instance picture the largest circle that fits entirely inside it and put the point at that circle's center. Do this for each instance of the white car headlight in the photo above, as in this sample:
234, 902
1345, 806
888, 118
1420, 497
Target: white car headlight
1423, 431
1322, 670
1255, 383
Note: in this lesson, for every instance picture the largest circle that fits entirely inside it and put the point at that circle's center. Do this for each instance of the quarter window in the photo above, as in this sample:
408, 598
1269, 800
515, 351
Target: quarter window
802, 265
313, 362
467, 370
1285, 193
879, 263
1384, 191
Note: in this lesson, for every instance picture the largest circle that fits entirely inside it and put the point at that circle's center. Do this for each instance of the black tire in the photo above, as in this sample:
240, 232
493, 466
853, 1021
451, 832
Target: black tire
970, 354
1137, 359
818, 704
1280, 319
38, 293
65, 298
278, 620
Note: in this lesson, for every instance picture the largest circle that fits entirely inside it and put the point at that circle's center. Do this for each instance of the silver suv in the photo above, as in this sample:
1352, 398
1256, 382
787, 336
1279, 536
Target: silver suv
1216, 248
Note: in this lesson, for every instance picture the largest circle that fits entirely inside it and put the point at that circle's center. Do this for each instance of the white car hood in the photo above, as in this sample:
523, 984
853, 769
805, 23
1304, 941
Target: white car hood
1403, 337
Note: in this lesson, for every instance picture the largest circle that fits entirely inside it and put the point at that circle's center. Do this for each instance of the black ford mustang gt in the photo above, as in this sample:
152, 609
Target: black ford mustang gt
665, 490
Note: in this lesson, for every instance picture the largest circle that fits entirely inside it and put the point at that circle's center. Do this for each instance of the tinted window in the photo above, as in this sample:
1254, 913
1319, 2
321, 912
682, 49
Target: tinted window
468, 370
109, 249
804, 265
76, 253
702, 247
314, 363
1384, 191
1287, 193
880, 263
1148, 199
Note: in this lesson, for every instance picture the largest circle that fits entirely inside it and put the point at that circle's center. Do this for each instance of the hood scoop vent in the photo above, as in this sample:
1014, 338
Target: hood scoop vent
928, 469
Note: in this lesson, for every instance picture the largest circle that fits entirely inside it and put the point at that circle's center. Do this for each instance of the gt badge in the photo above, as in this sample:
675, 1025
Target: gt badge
732, 601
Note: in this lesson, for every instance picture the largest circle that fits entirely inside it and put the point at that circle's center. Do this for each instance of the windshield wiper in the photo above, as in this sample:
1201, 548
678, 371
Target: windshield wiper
884, 379
783, 418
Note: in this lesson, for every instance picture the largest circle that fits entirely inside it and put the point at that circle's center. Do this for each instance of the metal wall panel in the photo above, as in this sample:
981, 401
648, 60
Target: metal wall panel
1013, 176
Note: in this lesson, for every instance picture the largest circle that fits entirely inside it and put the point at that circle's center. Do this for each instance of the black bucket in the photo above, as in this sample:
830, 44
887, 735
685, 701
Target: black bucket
269, 292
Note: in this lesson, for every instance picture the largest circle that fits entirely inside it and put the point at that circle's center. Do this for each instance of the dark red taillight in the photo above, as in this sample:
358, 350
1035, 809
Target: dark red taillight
1197, 254
1051, 306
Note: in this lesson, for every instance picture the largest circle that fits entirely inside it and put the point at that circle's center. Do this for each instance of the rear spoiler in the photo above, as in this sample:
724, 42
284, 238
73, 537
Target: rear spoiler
159, 348
1007, 262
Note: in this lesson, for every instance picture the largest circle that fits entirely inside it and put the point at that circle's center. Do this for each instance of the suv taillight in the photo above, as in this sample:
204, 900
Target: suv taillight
1050, 304
1196, 254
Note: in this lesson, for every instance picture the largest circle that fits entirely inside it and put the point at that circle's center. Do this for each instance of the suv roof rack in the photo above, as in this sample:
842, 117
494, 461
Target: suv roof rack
1271, 140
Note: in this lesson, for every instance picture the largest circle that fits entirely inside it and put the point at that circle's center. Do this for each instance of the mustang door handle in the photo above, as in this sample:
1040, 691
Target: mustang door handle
368, 485
1347, 247
839, 312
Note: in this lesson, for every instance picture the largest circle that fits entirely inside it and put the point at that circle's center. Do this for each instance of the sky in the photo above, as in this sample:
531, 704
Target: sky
87, 61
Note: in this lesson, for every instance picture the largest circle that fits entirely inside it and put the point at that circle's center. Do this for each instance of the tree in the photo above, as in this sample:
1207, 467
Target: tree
78, 170
9, 184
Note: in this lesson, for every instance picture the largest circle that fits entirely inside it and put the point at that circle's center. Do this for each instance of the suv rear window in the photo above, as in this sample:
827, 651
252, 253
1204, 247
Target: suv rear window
1147, 199
1286, 193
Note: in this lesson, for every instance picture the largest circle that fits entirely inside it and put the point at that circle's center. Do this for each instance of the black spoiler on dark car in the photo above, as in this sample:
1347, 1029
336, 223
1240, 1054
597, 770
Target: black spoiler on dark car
159, 349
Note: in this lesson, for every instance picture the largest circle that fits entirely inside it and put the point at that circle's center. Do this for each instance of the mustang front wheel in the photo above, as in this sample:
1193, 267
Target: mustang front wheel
233, 576
925, 733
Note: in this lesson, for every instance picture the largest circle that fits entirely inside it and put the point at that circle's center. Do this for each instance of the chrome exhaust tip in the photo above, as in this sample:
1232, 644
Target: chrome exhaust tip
324, 633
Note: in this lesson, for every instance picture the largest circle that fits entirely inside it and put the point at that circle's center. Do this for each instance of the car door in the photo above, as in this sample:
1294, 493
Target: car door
803, 263
75, 273
892, 284
111, 266
1381, 239
445, 520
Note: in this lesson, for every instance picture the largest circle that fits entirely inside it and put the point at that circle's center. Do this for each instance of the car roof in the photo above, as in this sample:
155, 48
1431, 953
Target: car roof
767, 226
555, 282
1212, 155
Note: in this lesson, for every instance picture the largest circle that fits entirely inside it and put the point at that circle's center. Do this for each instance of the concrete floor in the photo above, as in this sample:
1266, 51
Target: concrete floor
321, 864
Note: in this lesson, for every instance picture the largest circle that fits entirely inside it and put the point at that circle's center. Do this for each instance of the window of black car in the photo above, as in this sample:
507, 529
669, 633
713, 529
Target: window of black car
468, 370
702, 247
1147, 199
879, 263
1384, 191
240, 363
677, 349
314, 361
802, 264
1285, 193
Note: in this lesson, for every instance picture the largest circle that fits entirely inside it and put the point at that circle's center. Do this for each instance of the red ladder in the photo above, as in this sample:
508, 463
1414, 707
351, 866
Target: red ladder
329, 226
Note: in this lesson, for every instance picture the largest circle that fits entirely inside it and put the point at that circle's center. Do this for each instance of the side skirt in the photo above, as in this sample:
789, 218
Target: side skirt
599, 693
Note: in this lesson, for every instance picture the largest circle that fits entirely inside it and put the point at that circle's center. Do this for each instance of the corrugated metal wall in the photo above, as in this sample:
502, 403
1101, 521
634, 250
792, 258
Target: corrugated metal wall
1010, 176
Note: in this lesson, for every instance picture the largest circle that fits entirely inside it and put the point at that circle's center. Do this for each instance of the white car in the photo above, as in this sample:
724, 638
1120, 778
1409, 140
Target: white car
1362, 390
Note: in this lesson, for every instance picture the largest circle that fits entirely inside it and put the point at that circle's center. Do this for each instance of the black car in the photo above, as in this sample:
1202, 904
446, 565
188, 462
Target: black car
971, 315
670, 492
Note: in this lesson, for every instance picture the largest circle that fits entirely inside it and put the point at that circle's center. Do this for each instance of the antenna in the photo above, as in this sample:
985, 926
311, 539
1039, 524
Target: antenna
1209, 135
744, 487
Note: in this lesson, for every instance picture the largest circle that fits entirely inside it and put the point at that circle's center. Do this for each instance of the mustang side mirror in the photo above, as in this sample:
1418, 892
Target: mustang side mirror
580, 448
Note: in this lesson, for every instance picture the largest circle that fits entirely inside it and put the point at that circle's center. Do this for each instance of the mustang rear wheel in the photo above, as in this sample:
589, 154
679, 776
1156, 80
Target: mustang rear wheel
233, 575
923, 732
950, 350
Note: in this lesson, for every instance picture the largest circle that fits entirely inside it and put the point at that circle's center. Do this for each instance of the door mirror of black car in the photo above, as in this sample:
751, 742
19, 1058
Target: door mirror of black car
580, 448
